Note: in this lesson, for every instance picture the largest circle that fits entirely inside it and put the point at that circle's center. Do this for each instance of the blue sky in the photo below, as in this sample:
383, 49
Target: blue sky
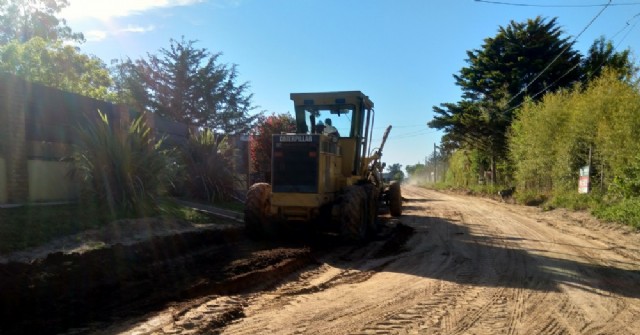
401, 53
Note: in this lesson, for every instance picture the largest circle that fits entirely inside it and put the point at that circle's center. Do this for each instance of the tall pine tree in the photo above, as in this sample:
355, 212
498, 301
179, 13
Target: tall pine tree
188, 85
523, 60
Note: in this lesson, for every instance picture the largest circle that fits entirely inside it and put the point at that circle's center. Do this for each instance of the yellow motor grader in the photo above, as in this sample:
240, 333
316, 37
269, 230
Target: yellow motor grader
326, 172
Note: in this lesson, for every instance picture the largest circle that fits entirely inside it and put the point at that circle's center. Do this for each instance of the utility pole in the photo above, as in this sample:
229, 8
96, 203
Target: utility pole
601, 170
435, 165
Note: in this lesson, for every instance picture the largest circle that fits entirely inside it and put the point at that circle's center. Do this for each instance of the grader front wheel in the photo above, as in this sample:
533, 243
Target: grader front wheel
354, 214
395, 199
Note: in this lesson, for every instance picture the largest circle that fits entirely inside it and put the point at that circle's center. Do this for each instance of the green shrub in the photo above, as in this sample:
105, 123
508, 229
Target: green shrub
123, 169
626, 211
627, 184
486, 190
462, 171
574, 200
530, 197
207, 173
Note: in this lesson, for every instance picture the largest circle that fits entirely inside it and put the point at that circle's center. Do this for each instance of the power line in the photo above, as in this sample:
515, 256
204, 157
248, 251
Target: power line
628, 32
524, 89
401, 126
517, 4
415, 131
627, 24
393, 137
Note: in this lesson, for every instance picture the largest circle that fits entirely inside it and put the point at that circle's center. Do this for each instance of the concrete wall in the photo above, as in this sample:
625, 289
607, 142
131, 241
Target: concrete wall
49, 181
13, 137
3, 181
37, 132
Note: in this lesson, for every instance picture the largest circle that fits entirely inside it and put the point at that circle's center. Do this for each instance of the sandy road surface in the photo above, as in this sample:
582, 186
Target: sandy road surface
473, 266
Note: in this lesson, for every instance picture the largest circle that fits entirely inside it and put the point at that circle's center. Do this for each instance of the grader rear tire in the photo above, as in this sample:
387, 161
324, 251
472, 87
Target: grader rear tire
354, 214
256, 209
395, 199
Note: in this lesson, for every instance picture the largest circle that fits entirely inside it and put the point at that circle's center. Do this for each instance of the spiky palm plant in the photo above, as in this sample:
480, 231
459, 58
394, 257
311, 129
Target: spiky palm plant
207, 167
123, 168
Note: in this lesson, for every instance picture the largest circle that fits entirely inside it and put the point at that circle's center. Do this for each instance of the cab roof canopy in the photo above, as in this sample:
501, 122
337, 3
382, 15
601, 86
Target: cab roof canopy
331, 98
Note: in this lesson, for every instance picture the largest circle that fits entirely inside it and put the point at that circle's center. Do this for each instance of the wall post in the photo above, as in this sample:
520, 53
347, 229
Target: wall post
13, 137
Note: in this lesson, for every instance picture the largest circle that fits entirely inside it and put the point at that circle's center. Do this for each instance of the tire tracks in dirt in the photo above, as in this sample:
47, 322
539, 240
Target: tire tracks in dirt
470, 266
523, 293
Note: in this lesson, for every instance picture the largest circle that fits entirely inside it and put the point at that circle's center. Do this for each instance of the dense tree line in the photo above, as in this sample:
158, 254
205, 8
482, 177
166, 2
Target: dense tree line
57, 65
33, 46
22, 20
395, 172
534, 111
553, 138
525, 60
597, 125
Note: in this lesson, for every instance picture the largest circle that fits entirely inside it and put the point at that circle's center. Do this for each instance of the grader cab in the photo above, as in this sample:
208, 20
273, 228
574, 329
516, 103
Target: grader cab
327, 172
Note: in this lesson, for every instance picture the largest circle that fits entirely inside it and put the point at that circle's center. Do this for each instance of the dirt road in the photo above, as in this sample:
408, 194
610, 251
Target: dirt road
471, 266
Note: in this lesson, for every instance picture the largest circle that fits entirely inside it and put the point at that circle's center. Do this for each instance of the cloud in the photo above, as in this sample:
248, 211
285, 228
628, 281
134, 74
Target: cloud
99, 35
227, 3
105, 10
95, 35
136, 29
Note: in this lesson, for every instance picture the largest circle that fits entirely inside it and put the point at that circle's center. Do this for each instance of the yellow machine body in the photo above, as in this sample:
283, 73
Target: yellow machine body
330, 162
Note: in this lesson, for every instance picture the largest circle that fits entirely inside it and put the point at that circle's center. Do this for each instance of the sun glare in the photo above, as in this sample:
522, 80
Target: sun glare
105, 10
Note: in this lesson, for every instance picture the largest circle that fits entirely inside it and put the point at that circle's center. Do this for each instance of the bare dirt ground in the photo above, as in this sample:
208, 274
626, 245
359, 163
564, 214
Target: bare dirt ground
473, 266
451, 264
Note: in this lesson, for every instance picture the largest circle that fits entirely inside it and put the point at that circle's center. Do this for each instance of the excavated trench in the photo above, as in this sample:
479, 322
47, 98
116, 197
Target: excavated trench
99, 287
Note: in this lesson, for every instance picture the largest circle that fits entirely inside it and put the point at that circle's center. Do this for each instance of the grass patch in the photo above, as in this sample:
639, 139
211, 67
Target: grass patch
626, 211
171, 210
195, 216
476, 189
486, 190
231, 205
235, 206
530, 198
573, 201
29, 226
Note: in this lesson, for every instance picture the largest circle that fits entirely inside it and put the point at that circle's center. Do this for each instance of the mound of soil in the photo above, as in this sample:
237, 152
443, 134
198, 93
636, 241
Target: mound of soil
131, 274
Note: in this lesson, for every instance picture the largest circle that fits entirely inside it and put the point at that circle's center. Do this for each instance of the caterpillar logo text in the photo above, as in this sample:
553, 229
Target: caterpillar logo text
296, 138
